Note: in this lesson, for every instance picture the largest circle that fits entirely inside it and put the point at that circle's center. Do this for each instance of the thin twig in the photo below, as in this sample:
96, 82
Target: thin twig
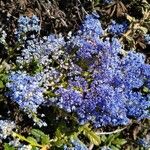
112, 132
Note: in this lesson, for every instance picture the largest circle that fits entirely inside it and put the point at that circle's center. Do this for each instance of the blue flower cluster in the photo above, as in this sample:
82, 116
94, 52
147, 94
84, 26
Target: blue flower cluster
25, 90
20, 146
107, 1
147, 38
87, 38
6, 127
145, 142
40, 49
109, 94
91, 76
27, 24
77, 145
116, 28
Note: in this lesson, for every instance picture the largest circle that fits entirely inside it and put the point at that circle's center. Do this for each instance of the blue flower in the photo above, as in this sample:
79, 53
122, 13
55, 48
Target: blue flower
6, 127
40, 49
147, 38
107, 1
92, 25
25, 90
76, 145
91, 76
116, 28
107, 97
26, 24
87, 38
144, 142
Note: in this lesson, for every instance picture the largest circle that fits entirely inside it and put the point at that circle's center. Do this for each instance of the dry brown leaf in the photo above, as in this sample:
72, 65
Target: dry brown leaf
22, 3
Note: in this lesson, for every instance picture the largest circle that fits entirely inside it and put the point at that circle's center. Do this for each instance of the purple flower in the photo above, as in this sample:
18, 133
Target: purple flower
91, 76
25, 90
116, 28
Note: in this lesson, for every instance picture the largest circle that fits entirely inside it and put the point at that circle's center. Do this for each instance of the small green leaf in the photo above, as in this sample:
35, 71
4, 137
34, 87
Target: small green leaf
39, 134
146, 90
61, 142
34, 148
110, 138
19, 136
103, 138
32, 141
3, 76
58, 133
1, 85
45, 140
29, 140
8, 147
119, 141
50, 94
93, 137
114, 147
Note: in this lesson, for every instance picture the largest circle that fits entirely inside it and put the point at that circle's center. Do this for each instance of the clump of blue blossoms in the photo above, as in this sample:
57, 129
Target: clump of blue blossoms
116, 28
40, 49
6, 127
90, 76
87, 38
147, 38
144, 142
77, 145
110, 93
25, 90
27, 24
19, 146
107, 1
